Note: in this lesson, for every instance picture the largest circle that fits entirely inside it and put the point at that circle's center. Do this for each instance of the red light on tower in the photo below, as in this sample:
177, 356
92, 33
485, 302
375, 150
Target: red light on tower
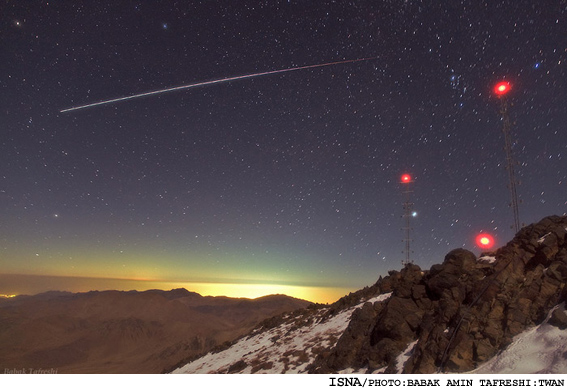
408, 213
406, 178
502, 88
484, 241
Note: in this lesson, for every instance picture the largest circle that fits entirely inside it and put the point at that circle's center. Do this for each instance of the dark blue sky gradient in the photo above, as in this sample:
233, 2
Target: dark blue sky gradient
290, 178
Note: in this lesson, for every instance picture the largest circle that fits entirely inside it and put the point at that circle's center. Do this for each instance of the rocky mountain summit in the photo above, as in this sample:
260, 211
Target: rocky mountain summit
451, 318
462, 312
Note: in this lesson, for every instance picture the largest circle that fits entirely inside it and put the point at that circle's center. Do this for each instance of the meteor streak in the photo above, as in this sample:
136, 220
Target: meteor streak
218, 81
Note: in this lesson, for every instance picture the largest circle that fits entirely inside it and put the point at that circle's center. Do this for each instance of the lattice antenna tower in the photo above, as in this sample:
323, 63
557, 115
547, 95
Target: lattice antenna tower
406, 180
501, 90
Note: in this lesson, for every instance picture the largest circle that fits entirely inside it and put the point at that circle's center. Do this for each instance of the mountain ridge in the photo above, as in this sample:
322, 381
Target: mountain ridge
454, 317
124, 331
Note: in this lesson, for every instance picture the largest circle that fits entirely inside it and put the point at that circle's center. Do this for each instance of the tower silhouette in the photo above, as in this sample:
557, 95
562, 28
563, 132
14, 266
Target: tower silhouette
406, 180
501, 90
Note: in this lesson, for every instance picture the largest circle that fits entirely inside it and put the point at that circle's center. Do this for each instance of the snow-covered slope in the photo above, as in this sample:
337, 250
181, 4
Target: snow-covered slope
292, 346
287, 348
539, 350
457, 316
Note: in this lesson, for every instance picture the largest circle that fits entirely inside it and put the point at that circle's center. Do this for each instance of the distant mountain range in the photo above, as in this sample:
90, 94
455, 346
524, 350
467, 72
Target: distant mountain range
124, 332
503, 312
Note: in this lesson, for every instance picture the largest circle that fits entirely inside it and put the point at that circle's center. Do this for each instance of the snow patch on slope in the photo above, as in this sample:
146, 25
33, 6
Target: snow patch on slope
487, 259
404, 357
292, 346
539, 350
288, 348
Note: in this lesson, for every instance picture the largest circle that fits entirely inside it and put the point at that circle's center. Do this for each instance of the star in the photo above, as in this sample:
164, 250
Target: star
240, 175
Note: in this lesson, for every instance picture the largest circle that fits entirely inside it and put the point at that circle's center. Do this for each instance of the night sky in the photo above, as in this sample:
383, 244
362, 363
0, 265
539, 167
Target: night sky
289, 179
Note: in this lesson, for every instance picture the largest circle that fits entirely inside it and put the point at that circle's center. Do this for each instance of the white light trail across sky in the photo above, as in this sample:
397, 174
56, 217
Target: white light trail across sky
218, 81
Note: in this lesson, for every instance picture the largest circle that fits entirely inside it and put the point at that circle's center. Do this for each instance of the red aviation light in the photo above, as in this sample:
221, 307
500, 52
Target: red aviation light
406, 178
484, 241
502, 88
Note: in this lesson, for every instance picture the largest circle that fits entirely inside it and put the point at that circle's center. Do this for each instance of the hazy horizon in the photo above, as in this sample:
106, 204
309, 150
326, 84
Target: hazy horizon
290, 182
30, 284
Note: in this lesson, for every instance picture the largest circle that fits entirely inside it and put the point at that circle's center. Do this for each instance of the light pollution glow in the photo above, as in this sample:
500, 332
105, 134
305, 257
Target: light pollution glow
14, 284
83, 266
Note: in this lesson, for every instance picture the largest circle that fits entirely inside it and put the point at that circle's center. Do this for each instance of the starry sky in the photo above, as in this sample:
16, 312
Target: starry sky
288, 179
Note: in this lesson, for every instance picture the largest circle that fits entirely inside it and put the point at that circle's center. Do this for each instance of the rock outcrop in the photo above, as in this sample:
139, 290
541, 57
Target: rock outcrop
462, 312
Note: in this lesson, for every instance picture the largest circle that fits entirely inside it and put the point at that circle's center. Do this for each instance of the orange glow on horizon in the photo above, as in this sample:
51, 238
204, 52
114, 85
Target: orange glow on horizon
14, 285
252, 291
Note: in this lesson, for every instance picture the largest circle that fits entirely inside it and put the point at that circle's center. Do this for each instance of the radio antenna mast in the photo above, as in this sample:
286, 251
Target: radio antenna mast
501, 90
405, 180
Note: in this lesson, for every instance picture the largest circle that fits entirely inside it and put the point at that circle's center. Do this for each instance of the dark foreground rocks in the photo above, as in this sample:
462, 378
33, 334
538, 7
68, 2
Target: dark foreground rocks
460, 313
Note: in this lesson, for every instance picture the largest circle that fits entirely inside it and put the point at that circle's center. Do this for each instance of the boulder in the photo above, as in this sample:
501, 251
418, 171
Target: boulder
462, 312
558, 318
